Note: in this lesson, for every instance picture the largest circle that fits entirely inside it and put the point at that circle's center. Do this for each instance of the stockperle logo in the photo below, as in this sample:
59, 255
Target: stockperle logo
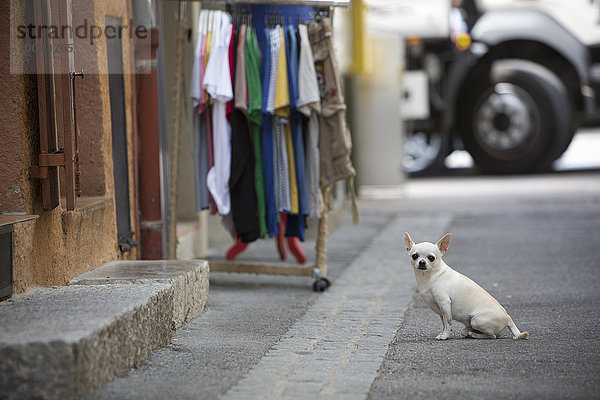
79, 37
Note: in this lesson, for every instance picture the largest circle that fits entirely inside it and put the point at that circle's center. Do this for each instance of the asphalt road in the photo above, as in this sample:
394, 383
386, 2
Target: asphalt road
539, 258
531, 241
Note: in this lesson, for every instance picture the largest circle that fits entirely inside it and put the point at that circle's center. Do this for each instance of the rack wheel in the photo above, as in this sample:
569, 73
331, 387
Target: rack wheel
321, 284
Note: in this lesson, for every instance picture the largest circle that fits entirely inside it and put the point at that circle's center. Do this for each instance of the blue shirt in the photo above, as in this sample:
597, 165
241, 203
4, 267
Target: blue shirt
267, 141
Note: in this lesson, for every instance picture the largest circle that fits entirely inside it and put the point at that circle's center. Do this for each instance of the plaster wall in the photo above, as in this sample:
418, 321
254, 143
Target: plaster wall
61, 244
16, 91
89, 103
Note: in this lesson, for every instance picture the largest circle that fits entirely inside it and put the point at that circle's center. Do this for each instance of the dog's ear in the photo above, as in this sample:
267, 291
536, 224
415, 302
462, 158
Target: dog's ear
408, 241
444, 243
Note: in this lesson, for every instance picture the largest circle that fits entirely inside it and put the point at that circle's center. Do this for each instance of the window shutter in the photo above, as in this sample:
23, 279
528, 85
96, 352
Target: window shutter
55, 65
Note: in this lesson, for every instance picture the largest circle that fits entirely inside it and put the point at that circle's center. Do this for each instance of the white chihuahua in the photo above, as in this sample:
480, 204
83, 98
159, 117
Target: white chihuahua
453, 296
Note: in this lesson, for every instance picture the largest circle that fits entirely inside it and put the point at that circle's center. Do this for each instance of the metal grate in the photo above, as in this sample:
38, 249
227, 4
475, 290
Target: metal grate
6, 261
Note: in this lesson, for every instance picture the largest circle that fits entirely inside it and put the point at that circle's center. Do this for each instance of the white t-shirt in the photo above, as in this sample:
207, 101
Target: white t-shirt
196, 84
217, 82
308, 87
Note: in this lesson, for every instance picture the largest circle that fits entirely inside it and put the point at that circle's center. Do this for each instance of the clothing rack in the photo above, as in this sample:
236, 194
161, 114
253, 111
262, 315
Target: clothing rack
319, 270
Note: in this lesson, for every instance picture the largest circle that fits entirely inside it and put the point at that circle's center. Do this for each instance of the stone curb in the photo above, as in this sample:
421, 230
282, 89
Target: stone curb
188, 278
64, 342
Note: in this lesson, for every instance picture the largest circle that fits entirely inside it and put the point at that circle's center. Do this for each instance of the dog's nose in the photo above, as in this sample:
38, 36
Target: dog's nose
422, 263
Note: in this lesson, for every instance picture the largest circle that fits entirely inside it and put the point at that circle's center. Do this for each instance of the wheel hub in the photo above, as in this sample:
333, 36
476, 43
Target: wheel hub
504, 120
421, 150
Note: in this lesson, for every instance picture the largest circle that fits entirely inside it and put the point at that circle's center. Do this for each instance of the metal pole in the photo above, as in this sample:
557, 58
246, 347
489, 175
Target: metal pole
163, 133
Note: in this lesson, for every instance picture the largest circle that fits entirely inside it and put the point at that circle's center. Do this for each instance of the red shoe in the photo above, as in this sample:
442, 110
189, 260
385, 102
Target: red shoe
297, 251
236, 249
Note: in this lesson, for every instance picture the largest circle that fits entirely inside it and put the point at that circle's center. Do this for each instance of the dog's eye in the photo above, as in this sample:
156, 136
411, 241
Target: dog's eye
431, 258
415, 256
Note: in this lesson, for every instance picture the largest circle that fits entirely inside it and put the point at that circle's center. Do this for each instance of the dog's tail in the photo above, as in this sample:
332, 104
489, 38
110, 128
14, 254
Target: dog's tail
515, 331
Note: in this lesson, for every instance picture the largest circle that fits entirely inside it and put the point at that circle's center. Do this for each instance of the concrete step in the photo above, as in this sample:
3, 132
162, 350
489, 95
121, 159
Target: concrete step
63, 342
189, 280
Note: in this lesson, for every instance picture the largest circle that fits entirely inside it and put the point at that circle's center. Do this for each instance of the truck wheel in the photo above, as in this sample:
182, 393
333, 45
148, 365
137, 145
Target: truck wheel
518, 121
424, 153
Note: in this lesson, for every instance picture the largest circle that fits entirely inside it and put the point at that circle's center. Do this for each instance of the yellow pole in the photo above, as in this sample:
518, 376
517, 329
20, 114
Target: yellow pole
358, 38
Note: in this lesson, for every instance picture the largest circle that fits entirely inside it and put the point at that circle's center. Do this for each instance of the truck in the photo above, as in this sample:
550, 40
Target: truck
511, 89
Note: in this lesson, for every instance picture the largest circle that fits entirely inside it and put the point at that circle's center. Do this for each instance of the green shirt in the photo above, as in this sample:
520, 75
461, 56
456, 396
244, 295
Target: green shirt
253, 60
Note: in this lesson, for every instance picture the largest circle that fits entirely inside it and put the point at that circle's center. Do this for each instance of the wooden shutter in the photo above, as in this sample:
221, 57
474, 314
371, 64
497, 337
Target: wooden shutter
58, 135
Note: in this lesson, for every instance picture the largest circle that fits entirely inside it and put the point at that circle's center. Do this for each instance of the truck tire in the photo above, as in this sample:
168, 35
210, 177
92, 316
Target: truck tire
424, 153
519, 120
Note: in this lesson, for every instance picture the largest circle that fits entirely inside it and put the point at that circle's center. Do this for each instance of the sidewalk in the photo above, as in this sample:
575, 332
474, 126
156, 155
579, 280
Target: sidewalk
62, 342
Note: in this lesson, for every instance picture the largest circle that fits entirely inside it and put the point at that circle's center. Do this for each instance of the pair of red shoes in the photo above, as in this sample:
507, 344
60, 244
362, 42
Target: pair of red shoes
293, 244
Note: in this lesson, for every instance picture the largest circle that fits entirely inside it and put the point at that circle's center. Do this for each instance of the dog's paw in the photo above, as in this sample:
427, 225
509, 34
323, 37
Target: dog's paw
442, 336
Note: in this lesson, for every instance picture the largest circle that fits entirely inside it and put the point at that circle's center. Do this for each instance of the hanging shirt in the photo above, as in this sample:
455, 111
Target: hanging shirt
274, 41
230, 59
278, 93
241, 183
282, 94
335, 142
296, 224
241, 81
217, 82
200, 129
198, 66
210, 38
292, 65
209, 34
254, 94
267, 140
309, 105
277, 157
286, 50
309, 97
296, 122
283, 174
293, 183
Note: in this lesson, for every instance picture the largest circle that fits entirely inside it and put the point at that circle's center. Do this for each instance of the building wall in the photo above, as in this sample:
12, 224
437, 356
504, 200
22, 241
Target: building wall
89, 105
13, 121
60, 244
